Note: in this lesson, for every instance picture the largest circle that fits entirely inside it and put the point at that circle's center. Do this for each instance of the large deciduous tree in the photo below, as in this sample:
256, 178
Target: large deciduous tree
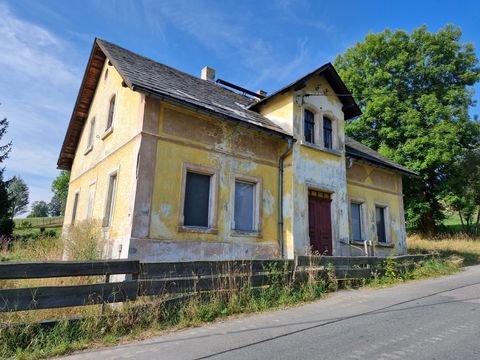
18, 195
60, 188
39, 209
415, 90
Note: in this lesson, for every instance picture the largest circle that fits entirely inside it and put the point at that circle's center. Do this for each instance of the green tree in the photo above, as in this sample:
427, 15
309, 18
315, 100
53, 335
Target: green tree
55, 206
60, 188
18, 195
414, 91
6, 222
463, 191
39, 209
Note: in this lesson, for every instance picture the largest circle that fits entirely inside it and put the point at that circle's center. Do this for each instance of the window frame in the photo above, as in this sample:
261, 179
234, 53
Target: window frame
110, 200
331, 147
76, 199
319, 136
257, 208
109, 126
91, 135
386, 219
212, 204
363, 221
92, 190
312, 121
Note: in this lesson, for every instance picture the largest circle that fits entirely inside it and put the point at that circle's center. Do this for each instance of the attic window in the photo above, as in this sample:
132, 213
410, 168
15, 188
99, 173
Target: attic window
327, 133
111, 110
309, 127
106, 75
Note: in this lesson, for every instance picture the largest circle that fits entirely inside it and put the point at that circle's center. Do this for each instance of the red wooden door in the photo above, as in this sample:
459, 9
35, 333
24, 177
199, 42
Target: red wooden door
320, 222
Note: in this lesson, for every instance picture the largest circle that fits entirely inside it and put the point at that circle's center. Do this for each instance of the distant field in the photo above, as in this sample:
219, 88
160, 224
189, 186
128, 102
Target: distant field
54, 221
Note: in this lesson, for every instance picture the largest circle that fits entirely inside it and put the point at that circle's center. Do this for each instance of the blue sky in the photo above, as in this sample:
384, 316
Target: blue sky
44, 47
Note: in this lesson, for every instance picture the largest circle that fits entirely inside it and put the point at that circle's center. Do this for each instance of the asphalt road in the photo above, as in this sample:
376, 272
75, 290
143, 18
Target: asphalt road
429, 319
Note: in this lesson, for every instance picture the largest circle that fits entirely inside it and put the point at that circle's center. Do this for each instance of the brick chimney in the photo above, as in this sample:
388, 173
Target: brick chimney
208, 74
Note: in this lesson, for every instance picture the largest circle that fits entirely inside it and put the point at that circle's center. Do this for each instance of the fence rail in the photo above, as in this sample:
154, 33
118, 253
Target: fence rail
149, 279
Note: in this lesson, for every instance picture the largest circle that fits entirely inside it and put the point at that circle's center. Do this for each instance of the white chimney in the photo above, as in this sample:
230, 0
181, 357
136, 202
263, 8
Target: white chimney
208, 74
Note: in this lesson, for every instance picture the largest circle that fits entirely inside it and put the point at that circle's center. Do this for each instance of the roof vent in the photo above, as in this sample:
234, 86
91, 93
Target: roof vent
262, 93
208, 74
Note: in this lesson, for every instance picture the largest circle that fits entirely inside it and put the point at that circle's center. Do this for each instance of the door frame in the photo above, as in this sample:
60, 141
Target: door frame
333, 217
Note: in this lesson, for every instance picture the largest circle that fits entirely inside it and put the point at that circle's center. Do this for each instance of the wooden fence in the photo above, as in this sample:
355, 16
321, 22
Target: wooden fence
151, 279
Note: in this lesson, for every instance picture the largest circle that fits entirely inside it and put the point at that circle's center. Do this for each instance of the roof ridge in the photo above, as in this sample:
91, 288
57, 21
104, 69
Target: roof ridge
196, 78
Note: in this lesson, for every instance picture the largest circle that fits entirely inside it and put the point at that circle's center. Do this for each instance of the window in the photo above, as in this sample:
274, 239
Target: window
356, 221
111, 109
91, 134
110, 204
381, 228
309, 127
196, 207
245, 207
327, 133
91, 198
75, 205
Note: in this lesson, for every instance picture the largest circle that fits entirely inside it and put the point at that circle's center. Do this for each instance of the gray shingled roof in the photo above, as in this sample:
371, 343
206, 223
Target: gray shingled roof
149, 76
358, 150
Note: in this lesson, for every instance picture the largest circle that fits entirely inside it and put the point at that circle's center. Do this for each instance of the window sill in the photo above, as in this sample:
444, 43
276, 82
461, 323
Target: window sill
88, 150
241, 233
358, 242
194, 229
384, 245
321, 148
107, 133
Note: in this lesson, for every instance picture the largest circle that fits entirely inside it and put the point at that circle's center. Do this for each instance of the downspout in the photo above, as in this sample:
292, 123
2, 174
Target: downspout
280, 195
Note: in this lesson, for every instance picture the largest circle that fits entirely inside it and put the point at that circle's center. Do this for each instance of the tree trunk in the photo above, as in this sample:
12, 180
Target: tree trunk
428, 224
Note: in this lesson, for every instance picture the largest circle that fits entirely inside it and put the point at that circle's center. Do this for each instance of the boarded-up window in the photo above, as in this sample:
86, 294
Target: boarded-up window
91, 133
327, 133
91, 198
244, 219
309, 127
75, 206
111, 109
381, 228
356, 213
197, 200
110, 204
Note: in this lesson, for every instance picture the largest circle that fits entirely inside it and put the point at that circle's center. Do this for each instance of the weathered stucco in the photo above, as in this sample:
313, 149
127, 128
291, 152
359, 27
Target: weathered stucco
116, 152
152, 144
374, 186
184, 139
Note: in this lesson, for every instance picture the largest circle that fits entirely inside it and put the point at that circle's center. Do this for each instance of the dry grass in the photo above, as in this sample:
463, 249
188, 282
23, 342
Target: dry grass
458, 244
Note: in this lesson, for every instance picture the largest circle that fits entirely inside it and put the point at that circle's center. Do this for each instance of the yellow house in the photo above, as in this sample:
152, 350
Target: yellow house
177, 167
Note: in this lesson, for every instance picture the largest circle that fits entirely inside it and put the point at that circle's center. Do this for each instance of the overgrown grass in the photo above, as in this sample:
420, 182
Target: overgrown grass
452, 245
153, 315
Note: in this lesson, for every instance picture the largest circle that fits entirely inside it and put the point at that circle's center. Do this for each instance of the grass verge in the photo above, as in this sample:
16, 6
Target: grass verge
113, 324
453, 245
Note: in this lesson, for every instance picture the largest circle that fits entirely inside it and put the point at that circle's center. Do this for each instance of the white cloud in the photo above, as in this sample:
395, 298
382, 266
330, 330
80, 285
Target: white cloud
38, 87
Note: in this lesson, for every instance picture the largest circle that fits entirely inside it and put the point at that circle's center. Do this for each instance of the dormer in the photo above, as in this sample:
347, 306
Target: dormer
313, 108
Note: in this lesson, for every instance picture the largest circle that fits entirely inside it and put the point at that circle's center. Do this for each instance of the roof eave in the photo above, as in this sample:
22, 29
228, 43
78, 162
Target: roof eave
197, 107
81, 107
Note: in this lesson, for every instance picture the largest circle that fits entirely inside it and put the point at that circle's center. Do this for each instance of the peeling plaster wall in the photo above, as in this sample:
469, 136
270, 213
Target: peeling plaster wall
311, 166
117, 151
374, 186
185, 138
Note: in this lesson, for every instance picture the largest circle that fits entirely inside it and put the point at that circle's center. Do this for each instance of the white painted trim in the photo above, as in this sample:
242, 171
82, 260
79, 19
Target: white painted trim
257, 206
213, 198
106, 224
363, 217
388, 236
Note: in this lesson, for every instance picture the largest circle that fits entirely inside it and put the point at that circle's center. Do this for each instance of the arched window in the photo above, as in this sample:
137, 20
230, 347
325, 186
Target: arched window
327, 133
309, 127
111, 109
